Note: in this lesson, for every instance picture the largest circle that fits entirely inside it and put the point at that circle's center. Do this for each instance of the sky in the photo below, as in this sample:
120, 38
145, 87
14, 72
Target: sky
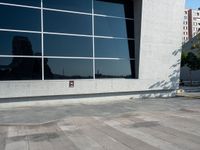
193, 4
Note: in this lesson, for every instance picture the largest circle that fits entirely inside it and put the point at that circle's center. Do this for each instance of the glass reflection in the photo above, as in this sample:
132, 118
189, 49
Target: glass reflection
61, 45
15, 43
23, 2
114, 48
67, 23
115, 69
68, 68
120, 8
72, 5
114, 27
20, 68
19, 18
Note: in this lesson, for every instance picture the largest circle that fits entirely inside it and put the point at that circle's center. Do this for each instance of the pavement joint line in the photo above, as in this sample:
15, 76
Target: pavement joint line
31, 124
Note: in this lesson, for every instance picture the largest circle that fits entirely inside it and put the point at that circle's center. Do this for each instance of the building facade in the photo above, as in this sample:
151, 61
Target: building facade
185, 27
89, 47
191, 24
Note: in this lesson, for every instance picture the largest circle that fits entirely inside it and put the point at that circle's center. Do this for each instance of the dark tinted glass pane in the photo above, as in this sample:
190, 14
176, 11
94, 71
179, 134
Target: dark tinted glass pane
120, 8
67, 68
20, 68
72, 5
23, 2
60, 45
106, 26
114, 48
16, 43
19, 18
115, 69
67, 22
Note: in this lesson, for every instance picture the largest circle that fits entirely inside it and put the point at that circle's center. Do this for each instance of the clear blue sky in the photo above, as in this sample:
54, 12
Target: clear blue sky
193, 4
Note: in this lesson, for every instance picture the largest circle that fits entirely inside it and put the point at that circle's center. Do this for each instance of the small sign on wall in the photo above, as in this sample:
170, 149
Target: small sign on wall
71, 84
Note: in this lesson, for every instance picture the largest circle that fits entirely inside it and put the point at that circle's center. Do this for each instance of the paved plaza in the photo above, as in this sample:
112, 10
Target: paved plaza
137, 124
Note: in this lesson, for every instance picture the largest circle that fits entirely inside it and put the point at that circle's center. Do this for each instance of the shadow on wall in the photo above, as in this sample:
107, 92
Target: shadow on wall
168, 86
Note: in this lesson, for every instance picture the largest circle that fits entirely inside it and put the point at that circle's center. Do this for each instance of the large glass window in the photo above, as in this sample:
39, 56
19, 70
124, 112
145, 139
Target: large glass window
62, 45
71, 5
67, 22
17, 43
20, 18
114, 48
114, 69
67, 68
14, 68
66, 39
23, 2
114, 27
119, 8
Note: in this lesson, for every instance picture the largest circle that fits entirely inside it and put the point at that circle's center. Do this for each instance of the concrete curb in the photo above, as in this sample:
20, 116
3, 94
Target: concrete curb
188, 96
61, 102
57, 101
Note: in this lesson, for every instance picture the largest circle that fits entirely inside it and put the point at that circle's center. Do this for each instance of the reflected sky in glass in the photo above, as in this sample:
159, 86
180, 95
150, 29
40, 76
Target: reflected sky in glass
114, 27
61, 45
72, 5
23, 2
67, 23
113, 48
20, 18
120, 8
113, 68
68, 68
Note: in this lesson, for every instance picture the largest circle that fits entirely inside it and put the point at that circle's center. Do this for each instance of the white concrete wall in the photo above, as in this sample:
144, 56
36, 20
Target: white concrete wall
161, 42
159, 63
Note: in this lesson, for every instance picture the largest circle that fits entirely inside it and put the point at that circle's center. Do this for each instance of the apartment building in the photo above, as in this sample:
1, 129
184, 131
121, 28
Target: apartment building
191, 24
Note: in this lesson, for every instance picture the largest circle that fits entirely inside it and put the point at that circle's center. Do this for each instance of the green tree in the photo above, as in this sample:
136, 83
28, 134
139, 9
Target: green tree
196, 45
183, 59
193, 62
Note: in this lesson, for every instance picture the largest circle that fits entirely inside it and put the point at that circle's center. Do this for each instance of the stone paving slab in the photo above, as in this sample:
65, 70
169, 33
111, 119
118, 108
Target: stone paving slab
154, 124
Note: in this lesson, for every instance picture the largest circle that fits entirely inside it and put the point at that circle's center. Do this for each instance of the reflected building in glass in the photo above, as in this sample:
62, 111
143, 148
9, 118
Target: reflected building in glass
97, 43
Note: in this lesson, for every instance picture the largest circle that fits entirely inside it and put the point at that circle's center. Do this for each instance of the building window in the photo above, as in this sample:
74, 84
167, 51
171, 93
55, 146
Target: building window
19, 43
67, 46
20, 68
185, 22
119, 8
114, 27
23, 2
67, 40
58, 68
62, 22
70, 5
19, 18
103, 68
